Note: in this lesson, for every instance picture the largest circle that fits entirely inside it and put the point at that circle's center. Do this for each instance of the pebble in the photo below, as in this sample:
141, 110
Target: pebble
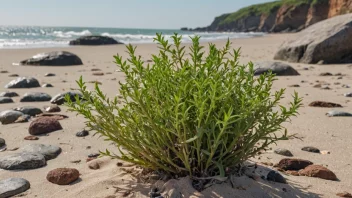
75, 161
338, 114
22, 161
82, 133
98, 74
275, 177
49, 74
13, 75
325, 152
44, 125
2, 142
49, 151
325, 74
295, 85
318, 171
344, 194
94, 155
311, 149
63, 176
94, 165
13, 186
47, 85
348, 94
95, 69
293, 164
283, 152
324, 104
4, 100
31, 137
29, 110
23, 82
4, 72
9, 116
52, 108
35, 97
8, 94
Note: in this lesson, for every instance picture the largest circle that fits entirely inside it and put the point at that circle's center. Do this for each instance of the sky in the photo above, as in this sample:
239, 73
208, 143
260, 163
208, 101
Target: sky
157, 14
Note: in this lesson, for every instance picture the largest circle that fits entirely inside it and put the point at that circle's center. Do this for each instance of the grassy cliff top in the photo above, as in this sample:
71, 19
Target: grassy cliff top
259, 9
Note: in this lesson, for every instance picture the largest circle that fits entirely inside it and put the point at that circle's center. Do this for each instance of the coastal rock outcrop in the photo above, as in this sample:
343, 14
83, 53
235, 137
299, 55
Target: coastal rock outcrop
278, 16
327, 41
94, 40
56, 58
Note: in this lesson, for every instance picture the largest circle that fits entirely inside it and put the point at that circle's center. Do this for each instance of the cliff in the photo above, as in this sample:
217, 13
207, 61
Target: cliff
279, 16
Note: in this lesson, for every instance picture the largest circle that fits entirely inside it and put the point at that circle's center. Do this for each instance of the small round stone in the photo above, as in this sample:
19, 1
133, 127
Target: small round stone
63, 176
283, 152
82, 133
311, 149
2, 142
93, 155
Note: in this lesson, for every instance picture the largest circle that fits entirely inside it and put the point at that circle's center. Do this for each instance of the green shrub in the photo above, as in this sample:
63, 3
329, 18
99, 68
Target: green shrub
199, 116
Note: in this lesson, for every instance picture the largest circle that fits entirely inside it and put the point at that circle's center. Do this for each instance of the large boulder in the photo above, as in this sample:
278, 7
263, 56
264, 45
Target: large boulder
94, 40
329, 41
277, 68
23, 82
56, 58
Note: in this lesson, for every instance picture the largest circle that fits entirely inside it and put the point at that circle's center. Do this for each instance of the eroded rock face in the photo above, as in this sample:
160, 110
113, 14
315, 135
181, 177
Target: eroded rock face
328, 41
63, 176
56, 58
94, 40
23, 82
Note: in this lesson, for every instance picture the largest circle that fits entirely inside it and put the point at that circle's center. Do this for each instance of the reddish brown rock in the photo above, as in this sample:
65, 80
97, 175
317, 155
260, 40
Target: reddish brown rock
293, 164
44, 125
31, 137
54, 116
318, 171
294, 173
344, 194
62, 176
324, 104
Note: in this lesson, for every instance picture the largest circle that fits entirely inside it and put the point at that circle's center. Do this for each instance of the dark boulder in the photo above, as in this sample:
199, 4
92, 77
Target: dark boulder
277, 68
94, 40
56, 58
35, 97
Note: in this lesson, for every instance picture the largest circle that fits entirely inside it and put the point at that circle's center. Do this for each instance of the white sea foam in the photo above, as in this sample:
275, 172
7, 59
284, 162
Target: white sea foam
70, 34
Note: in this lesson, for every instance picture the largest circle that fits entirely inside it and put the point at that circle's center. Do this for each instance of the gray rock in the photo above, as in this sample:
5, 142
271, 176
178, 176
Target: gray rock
348, 94
275, 177
94, 40
52, 108
56, 58
60, 98
49, 75
329, 40
8, 94
47, 85
277, 68
22, 161
32, 111
49, 151
4, 100
13, 186
338, 114
311, 149
2, 142
82, 133
283, 152
35, 97
23, 118
23, 82
9, 116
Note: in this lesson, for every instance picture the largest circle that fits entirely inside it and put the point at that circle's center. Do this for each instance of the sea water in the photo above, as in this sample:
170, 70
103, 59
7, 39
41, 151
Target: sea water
35, 36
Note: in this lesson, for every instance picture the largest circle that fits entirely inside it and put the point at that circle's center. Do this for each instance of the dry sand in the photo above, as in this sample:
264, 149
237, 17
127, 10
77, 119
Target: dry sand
312, 125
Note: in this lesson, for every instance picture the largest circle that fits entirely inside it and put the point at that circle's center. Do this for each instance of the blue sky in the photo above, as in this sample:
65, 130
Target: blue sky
162, 14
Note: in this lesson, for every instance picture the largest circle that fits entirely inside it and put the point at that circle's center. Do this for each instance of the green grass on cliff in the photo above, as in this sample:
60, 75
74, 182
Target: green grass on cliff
259, 9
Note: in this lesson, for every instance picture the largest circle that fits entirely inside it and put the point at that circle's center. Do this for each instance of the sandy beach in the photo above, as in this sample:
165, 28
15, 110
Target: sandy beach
312, 126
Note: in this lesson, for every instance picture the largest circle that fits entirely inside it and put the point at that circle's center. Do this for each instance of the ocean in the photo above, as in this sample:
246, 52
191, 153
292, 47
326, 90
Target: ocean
35, 36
